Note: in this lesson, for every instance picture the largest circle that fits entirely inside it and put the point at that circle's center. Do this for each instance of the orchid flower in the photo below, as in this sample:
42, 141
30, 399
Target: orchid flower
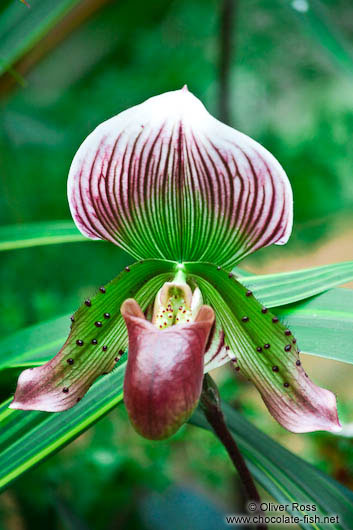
188, 197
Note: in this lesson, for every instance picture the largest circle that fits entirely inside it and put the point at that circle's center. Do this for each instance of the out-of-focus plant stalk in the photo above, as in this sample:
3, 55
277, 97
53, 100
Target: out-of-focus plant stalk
226, 53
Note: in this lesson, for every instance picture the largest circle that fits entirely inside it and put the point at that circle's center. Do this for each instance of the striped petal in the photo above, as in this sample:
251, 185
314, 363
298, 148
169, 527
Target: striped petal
163, 378
165, 179
265, 351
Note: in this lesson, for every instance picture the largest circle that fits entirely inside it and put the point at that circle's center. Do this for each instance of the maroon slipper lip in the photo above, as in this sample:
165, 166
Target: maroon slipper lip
163, 378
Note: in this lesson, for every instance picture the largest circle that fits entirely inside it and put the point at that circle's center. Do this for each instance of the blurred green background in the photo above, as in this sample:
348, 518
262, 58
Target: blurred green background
63, 72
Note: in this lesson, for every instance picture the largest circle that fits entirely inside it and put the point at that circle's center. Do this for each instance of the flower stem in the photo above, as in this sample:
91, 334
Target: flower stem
211, 406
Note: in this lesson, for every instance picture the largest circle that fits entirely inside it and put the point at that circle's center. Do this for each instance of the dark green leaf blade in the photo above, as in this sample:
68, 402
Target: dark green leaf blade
28, 437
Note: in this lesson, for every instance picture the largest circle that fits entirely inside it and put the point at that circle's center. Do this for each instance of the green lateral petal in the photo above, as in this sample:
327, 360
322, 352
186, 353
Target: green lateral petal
95, 344
265, 351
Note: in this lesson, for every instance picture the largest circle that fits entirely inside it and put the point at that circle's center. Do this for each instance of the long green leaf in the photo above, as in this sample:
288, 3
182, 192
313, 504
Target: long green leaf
285, 476
274, 290
27, 438
35, 234
34, 344
323, 324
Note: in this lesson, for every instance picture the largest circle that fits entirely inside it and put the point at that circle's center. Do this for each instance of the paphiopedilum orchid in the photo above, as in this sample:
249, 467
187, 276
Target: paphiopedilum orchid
188, 197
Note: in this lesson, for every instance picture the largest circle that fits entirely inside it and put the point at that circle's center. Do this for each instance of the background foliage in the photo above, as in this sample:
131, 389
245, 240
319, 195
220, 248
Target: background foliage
65, 68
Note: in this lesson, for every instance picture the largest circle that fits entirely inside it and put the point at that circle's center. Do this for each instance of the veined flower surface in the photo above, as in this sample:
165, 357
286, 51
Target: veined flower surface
166, 180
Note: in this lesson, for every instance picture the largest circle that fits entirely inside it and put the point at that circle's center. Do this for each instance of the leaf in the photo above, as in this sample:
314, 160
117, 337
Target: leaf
27, 438
34, 344
35, 234
323, 324
284, 475
287, 287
